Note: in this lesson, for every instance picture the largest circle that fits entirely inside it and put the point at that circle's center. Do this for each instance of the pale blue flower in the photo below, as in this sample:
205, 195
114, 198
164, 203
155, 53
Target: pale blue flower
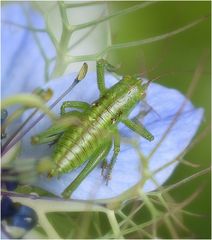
22, 63
126, 173
23, 70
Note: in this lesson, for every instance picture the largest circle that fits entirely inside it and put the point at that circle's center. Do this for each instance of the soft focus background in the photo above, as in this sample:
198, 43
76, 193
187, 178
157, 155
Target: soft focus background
177, 57
174, 59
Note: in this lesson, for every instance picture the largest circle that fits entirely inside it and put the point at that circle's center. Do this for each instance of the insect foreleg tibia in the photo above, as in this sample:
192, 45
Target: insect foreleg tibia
116, 151
101, 65
139, 129
73, 104
100, 69
98, 155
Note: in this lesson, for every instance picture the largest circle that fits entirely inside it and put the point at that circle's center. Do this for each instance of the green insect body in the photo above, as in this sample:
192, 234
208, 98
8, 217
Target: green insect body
92, 139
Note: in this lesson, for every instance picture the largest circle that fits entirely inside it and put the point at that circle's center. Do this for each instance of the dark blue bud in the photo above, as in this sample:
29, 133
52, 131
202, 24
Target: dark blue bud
25, 217
8, 208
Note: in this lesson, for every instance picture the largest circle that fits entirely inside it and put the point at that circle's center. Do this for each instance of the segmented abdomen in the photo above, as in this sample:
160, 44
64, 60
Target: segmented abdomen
76, 145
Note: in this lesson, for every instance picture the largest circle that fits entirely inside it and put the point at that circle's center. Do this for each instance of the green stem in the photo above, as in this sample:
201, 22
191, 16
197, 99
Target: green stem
59, 205
114, 224
67, 31
74, 5
116, 14
48, 228
105, 51
30, 28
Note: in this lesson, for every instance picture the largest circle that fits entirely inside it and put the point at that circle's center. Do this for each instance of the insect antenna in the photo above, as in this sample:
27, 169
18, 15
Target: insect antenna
145, 85
148, 81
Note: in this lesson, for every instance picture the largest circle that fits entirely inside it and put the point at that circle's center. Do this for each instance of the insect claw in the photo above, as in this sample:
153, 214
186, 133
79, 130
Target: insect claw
34, 140
52, 143
104, 166
49, 175
52, 173
108, 178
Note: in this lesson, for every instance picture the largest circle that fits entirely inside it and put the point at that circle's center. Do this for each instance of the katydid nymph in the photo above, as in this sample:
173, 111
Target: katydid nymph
97, 133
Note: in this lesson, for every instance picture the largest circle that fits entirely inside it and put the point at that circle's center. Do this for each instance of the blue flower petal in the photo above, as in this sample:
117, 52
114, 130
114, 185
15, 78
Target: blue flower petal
23, 70
22, 63
126, 173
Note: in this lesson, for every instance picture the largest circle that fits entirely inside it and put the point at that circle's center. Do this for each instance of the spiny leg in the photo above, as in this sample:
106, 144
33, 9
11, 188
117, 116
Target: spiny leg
103, 166
116, 151
101, 65
99, 154
73, 104
139, 129
100, 68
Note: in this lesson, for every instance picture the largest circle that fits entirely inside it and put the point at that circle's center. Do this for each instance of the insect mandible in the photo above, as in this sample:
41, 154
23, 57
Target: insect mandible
92, 139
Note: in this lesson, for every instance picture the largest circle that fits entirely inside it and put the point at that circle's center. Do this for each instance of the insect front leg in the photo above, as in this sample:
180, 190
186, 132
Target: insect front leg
73, 104
101, 65
99, 155
116, 150
139, 129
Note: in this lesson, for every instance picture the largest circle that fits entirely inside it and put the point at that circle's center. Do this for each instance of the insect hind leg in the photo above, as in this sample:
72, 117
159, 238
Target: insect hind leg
116, 151
103, 166
99, 154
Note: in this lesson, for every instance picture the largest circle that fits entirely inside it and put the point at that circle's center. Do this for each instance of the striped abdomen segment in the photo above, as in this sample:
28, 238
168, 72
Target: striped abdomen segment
76, 146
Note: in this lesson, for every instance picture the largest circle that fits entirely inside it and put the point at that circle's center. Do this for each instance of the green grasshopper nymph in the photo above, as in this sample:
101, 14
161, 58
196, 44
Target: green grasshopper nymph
93, 138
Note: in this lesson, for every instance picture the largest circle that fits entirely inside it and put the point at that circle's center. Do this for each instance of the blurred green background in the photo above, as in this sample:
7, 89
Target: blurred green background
176, 58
